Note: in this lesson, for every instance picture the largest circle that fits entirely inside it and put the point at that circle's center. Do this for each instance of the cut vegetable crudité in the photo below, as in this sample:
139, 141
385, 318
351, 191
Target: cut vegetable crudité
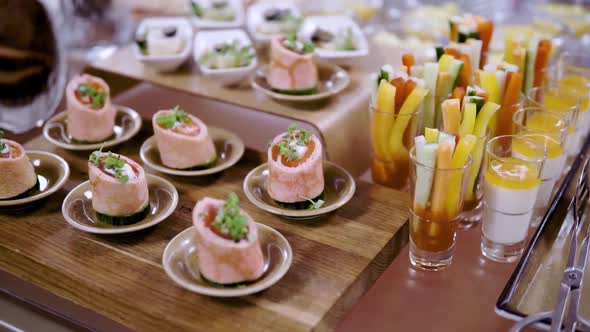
460, 159
382, 121
413, 101
468, 122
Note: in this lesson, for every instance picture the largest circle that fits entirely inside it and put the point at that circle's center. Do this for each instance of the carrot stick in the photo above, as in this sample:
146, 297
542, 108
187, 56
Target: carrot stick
511, 95
444, 156
541, 61
399, 83
408, 60
458, 93
465, 74
485, 29
453, 52
408, 88
484, 95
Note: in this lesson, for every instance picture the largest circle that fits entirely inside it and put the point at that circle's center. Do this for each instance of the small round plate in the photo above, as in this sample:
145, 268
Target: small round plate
333, 79
180, 262
127, 125
52, 173
78, 212
229, 146
339, 187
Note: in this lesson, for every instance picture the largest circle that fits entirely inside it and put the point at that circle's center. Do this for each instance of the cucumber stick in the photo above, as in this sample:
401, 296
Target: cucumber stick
531, 57
476, 46
426, 155
430, 76
455, 69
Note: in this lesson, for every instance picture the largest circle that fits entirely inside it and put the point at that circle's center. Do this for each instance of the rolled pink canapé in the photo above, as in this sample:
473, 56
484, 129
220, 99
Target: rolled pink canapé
289, 70
222, 259
17, 174
112, 196
91, 117
184, 143
300, 178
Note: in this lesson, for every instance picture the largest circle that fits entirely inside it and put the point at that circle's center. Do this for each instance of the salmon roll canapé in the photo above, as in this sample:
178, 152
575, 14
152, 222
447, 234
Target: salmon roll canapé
296, 175
119, 188
293, 68
228, 246
17, 175
91, 117
183, 140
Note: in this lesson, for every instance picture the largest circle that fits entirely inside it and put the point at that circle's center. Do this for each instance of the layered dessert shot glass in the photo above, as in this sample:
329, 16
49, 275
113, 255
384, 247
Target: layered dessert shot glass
560, 99
511, 185
549, 129
438, 177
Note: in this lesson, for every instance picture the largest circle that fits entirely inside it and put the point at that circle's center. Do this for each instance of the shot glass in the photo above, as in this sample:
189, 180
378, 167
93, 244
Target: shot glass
560, 99
392, 136
550, 130
436, 204
473, 198
511, 185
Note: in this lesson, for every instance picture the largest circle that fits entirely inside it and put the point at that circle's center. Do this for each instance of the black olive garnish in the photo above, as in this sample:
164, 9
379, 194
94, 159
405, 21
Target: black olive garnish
322, 35
169, 31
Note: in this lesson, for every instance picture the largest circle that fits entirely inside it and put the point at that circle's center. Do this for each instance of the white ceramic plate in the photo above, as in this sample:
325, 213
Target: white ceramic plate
165, 62
238, 21
206, 39
255, 16
334, 24
78, 212
180, 261
127, 125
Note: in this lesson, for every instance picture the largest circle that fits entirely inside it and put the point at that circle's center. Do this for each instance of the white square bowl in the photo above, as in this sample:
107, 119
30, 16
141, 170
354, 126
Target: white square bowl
204, 39
165, 62
255, 16
333, 24
200, 23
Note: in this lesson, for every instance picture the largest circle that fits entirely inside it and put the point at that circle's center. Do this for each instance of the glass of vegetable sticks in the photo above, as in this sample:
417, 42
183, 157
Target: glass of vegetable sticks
561, 99
438, 177
511, 183
549, 129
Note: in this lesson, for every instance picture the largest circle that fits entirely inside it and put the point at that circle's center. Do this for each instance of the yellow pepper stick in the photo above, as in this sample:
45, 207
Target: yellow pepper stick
444, 63
460, 158
508, 48
481, 126
489, 83
431, 135
383, 119
396, 146
444, 154
451, 112
468, 122
443, 81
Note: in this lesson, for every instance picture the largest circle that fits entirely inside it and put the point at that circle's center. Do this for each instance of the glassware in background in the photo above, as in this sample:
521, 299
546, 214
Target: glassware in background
560, 99
32, 62
511, 185
549, 129
436, 202
473, 201
573, 72
392, 136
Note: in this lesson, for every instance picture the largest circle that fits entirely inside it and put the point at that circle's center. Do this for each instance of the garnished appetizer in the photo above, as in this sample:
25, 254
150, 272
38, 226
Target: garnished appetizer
229, 54
213, 10
119, 188
278, 21
160, 41
293, 68
473, 29
342, 40
295, 169
91, 117
18, 176
531, 59
183, 140
228, 245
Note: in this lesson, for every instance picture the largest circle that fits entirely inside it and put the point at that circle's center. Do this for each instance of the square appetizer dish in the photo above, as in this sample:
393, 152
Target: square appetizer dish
163, 43
266, 20
336, 38
215, 14
225, 55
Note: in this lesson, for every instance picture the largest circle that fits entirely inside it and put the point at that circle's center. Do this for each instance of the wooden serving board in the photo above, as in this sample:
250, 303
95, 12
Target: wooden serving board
342, 121
336, 259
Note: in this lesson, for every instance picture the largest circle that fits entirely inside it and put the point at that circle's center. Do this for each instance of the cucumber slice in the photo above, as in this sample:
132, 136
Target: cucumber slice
124, 220
477, 100
303, 92
439, 52
206, 165
430, 76
454, 70
303, 205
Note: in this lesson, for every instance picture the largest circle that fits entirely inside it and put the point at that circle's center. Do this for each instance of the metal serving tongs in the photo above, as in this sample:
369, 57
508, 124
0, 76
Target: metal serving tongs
566, 316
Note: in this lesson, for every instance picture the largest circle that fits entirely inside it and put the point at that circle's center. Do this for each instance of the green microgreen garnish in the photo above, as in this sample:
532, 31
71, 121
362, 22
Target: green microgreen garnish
314, 204
294, 136
196, 9
2, 144
112, 162
169, 120
294, 45
97, 96
383, 75
230, 221
234, 53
